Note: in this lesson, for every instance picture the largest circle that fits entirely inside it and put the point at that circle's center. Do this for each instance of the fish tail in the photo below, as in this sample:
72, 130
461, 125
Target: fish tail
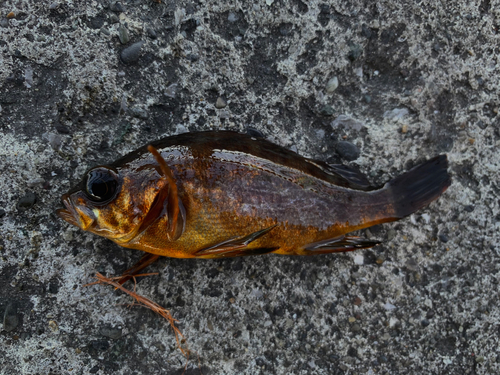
419, 186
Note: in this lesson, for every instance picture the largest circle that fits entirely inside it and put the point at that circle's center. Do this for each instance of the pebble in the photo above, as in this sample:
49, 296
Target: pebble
139, 113
443, 238
10, 318
4, 22
327, 110
151, 33
36, 182
332, 85
27, 201
389, 306
112, 333
359, 259
117, 7
171, 91
113, 18
54, 140
355, 51
482, 124
220, 103
396, 113
131, 54
347, 123
232, 17
123, 35
347, 150
2, 213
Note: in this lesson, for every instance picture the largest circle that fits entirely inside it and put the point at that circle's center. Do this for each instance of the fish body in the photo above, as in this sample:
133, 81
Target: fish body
222, 194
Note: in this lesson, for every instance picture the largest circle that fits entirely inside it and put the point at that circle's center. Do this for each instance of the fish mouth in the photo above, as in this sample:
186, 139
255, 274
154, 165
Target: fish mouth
82, 218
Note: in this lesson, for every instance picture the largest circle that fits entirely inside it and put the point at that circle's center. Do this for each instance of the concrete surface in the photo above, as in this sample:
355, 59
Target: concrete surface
409, 80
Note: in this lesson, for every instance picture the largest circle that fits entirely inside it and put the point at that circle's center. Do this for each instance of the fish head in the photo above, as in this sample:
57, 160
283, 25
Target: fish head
118, 203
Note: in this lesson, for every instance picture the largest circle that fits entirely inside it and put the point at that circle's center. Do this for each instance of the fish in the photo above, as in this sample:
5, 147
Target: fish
219, 194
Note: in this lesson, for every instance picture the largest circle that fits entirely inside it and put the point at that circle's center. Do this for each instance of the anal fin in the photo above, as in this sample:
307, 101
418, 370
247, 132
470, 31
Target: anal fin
338, 245
236, 246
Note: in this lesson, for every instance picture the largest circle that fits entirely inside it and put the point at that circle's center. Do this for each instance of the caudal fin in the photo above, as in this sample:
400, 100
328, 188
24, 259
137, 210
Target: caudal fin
419, 186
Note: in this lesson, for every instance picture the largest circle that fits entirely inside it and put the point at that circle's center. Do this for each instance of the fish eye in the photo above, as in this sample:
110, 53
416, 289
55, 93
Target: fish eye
101, 184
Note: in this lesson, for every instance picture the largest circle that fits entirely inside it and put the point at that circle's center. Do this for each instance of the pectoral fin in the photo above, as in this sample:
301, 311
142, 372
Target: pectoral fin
236, 246
175, 209
338, 245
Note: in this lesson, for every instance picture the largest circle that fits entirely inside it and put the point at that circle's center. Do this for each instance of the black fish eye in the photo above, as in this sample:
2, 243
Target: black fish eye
101, 184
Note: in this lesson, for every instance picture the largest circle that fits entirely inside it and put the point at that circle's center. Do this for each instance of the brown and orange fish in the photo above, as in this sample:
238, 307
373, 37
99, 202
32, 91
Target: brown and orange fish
223, 194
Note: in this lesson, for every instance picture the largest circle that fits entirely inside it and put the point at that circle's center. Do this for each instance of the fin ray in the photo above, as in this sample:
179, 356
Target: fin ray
339, 244
235, 244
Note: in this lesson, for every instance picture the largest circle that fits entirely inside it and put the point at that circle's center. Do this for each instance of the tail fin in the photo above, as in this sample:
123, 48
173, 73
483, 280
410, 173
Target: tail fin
419, 186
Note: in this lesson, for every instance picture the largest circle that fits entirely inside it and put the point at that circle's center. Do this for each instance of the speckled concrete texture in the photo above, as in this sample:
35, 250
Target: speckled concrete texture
83, 82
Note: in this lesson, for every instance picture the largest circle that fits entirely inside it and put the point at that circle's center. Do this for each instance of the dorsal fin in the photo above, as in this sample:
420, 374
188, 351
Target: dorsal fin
352, 177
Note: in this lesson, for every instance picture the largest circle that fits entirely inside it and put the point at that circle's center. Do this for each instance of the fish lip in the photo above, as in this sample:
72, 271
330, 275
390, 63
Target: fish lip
71, 215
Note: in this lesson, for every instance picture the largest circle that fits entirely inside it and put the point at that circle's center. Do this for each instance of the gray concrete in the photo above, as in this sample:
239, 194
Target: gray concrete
414, 80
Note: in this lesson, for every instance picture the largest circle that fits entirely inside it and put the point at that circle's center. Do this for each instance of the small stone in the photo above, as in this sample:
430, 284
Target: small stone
352, 319
54, 140
389, 306
111, 332
443, 238
104, 31
332, 85
347, 122
367, 98
469, 208
366, 31
396, 114
4, 22
123, 35
63, 129
54, 327
220, 103
2, 213
11, 15
355, 51
347, 150
131, 54
113, 18
171, 90
232, 17
54, 5
151, 33
357, 301
359, 259
117, 7
139, 113
327, 110
404, 129
36, 182
482, 124
27, 201
10, 318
